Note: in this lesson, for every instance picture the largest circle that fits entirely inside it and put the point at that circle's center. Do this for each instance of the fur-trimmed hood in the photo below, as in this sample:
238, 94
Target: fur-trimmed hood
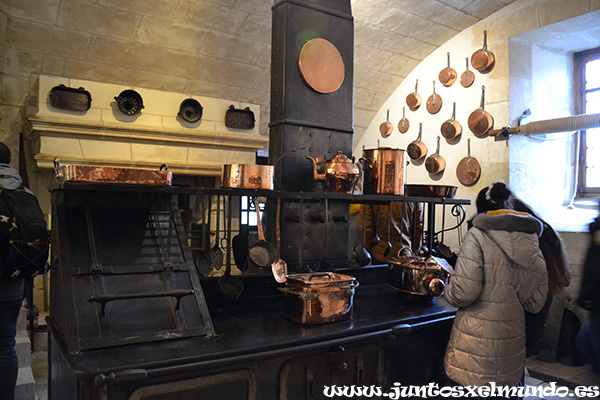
516, 233
508, 220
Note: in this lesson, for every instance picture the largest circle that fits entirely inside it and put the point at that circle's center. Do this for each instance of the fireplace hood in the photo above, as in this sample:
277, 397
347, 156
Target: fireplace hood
105, 136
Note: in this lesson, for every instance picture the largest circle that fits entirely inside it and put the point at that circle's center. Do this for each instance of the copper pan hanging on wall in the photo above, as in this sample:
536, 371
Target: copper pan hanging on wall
414, 100
481, 121
434, 103
403, 124
468, 169
386, 128
435, 163
417, 149
483, 60
468, 77
451, 128
448, 75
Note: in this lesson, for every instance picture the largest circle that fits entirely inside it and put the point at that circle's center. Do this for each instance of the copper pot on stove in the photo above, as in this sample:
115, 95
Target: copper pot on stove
424, 277
319, 297
340, 174
384, 171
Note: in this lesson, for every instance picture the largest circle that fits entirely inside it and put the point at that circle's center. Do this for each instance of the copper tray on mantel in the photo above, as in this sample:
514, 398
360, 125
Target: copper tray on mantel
136, 176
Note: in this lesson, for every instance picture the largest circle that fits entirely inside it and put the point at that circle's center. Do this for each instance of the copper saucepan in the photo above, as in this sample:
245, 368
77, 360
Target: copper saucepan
451, 128
417, 149
247, 176
481, 121
468, 169
434, 103
414, 100
403, 124
448, 75
386, 128
435, 163
468, 77
483, 60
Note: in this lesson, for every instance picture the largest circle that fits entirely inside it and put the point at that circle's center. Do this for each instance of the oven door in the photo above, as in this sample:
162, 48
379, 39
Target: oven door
231, 385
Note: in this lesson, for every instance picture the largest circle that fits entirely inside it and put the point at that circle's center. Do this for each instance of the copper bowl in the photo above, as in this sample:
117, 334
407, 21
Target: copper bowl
417, 190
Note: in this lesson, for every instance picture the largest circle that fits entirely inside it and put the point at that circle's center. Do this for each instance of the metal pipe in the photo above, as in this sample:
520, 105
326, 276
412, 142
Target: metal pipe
566, 124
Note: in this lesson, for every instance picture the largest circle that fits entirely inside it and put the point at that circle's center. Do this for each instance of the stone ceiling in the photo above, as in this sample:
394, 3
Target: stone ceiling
219, 48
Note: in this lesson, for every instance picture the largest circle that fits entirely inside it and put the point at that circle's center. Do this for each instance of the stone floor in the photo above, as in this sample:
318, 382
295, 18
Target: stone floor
544, 373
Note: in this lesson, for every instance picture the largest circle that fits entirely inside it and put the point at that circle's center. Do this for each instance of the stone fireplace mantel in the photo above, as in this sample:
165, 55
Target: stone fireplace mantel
106, 137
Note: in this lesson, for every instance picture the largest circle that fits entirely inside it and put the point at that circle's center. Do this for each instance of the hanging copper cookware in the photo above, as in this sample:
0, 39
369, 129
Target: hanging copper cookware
414, 100
435, 163
386, 128
434, 103
481, 121
451, 128
468, 77
417, 149
468, 169
483, 60
448, 75
403, 124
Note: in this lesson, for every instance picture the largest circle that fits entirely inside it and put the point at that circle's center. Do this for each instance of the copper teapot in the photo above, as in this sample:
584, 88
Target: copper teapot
340, 174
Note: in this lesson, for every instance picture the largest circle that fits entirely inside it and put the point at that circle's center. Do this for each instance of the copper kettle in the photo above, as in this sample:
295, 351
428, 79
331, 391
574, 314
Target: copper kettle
340, 174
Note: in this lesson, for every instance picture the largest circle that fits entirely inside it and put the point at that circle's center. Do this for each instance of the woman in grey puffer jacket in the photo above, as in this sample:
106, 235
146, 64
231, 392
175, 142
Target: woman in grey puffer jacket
500, 272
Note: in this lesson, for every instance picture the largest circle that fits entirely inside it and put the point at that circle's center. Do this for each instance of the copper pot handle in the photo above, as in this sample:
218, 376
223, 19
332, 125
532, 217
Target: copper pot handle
319, 274
406, 248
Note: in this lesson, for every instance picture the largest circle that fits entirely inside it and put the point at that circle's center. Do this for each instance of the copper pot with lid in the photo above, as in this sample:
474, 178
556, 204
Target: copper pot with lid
340, 174
319, 297
418, 275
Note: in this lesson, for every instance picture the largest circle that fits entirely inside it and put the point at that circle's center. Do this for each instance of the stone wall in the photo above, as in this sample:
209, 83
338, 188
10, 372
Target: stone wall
496, 156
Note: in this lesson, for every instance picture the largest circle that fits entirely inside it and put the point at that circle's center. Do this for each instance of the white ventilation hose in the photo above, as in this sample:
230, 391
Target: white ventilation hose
566, 124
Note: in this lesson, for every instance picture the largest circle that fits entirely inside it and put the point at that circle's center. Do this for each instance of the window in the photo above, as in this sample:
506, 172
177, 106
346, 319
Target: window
587, 65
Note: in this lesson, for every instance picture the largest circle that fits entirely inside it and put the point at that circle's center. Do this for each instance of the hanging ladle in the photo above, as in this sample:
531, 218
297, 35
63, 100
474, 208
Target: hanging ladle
361, 255
279, 267
216, 255
230, 286
262, 253
376, 239
388, 248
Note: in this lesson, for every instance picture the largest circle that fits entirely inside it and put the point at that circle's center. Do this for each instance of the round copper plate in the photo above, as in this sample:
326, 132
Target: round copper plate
468, 171
321, 65
403, 125
434, 103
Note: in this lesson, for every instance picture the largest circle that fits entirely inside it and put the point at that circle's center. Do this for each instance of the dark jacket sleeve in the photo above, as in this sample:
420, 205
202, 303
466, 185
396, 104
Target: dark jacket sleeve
589, 296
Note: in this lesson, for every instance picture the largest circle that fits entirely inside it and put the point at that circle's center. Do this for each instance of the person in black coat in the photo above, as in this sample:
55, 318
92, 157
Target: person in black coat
12, 292
588, 338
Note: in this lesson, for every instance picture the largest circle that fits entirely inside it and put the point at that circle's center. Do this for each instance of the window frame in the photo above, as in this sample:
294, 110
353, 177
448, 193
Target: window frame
580, 60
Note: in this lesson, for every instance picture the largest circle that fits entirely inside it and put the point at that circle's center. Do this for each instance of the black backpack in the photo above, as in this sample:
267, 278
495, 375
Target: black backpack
24, 245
